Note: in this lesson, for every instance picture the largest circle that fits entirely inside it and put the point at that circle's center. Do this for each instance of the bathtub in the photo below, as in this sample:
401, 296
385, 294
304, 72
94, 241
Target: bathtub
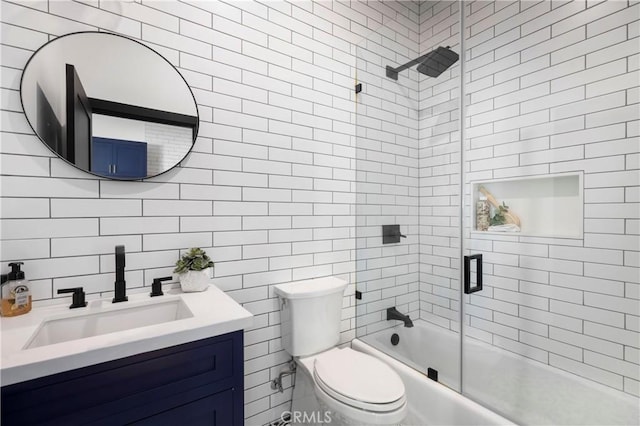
520, 389
431, 403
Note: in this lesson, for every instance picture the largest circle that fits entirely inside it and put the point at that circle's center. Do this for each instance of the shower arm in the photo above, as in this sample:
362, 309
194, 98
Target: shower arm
393, 72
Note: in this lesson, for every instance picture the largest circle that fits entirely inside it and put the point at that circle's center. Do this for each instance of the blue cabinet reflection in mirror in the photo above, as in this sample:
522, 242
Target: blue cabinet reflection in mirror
119, 158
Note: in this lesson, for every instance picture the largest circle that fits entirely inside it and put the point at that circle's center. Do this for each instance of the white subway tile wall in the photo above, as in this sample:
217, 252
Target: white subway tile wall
440, 163
270, 187
386, 186
174, 139
563, 103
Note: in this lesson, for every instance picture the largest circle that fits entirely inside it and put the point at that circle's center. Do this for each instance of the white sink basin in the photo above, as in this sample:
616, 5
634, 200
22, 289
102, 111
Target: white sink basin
94, 324
53, 338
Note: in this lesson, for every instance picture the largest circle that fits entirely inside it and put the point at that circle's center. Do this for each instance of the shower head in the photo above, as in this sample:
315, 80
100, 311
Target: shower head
437, 61
432, 64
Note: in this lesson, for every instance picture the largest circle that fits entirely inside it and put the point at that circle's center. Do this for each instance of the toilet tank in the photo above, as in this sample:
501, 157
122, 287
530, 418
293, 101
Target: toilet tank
310, 313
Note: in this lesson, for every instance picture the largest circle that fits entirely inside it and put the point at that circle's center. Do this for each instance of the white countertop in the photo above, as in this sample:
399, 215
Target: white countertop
214, 313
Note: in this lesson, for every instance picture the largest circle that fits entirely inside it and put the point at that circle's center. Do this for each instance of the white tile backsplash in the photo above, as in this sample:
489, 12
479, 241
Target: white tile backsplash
79, 246
20, 208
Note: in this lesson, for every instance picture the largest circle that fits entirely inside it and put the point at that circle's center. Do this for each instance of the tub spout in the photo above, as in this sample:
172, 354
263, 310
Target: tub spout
393, 314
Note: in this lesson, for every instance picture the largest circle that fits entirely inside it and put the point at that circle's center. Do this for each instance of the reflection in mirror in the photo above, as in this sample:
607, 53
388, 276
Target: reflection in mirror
109, 105
166, 144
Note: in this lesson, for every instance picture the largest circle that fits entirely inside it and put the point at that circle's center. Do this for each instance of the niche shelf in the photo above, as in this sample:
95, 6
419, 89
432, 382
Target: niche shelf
547, 205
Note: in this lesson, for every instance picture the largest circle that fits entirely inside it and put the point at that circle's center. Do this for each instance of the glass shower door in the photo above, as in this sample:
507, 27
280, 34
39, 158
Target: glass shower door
408, 174
550, 303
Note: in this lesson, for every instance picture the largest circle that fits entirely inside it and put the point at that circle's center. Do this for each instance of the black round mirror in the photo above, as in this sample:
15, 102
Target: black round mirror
109, 105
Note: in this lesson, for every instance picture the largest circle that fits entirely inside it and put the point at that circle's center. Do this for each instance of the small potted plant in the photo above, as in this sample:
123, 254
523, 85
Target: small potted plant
193, 270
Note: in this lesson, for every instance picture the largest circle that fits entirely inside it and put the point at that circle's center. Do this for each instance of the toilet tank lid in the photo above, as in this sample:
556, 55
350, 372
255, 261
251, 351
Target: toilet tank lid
310, 288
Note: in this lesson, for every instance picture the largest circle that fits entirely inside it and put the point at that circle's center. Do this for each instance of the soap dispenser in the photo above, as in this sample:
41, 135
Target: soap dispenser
16, 297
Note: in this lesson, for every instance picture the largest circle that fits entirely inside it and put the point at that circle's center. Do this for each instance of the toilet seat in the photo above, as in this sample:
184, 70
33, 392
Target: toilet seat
359, 380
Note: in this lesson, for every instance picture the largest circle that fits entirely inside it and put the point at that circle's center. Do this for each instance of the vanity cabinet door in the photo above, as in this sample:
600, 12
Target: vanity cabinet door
213, 410
132, 389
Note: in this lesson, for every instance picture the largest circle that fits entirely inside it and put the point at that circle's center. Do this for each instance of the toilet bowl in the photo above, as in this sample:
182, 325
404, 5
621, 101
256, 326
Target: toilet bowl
355, 387
332, 385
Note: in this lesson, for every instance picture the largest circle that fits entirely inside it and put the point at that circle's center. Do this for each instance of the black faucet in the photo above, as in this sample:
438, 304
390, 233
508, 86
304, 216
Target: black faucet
120, 284
393, 314
156, 287
78, 296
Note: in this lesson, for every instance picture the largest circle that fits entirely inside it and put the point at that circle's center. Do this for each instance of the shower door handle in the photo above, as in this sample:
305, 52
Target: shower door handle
467, 273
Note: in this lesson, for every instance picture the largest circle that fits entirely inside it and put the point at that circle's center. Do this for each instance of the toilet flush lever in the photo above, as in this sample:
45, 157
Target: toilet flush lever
277, 382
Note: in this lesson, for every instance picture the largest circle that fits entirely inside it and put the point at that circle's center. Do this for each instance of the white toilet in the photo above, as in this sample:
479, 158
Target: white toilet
334, 386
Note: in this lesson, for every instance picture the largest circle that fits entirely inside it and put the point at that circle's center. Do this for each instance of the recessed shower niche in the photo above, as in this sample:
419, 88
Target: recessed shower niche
544, 206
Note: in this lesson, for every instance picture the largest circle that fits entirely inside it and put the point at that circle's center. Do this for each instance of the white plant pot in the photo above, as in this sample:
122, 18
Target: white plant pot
192, 281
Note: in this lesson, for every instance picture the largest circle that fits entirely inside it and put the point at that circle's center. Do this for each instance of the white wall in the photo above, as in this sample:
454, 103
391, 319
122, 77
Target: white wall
106, 126
166, 146
387, 173
269, 189
440, 171
552, 87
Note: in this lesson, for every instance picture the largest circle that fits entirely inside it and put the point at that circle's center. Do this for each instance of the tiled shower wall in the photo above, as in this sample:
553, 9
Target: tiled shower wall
552, 87
387, 174
269, 189
440, 171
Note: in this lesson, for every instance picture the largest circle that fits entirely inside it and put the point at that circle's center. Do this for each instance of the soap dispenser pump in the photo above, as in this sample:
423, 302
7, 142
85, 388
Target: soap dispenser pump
16, 297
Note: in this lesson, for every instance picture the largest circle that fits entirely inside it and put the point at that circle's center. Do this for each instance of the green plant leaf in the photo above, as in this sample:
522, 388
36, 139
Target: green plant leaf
195, 259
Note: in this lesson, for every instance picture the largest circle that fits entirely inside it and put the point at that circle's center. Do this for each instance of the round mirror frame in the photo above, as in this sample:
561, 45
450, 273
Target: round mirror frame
194, 129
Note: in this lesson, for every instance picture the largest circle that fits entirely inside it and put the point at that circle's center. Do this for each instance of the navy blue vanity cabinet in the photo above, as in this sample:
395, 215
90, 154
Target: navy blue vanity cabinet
197, 383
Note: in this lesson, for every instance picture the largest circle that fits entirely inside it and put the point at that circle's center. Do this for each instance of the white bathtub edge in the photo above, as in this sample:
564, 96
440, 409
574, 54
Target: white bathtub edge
451, 407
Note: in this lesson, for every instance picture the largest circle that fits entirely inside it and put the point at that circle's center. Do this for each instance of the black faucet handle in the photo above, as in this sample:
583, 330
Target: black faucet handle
120, 255
391, 234
120, 286
156, 286
77, 300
